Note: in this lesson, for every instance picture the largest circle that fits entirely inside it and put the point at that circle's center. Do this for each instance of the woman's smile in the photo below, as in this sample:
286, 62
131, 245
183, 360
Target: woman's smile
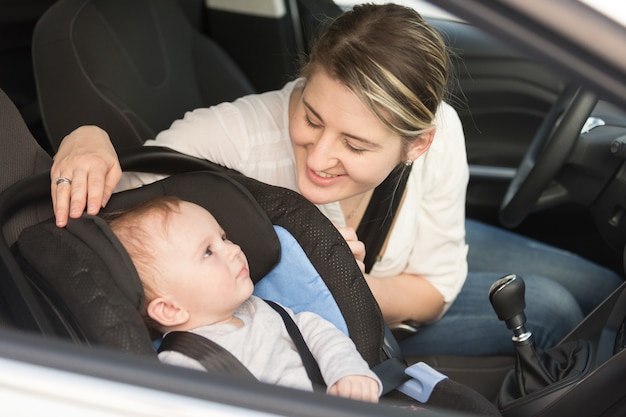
323, 178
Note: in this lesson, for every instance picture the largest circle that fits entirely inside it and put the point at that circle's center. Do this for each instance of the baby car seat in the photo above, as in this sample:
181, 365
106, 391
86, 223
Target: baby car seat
45, 247
86, 274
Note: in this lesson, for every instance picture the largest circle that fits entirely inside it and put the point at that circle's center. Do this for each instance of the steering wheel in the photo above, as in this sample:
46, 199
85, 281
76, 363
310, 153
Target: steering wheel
547, 152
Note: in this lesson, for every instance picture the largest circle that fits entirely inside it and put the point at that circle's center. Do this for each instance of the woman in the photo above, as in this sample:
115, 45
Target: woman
369, 104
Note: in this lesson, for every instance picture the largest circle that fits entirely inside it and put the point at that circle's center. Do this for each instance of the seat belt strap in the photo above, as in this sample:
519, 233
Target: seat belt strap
310, 364
380, 212
391, 374
213, 357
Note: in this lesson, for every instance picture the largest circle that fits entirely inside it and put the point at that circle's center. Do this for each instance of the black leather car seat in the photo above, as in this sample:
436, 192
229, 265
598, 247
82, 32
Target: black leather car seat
20, 157
131, 67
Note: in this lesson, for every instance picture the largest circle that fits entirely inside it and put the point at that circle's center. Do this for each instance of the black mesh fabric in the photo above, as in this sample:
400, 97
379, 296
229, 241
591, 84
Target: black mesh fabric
80, 284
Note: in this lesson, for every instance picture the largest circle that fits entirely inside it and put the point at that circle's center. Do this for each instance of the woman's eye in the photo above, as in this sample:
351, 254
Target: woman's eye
352, 148
310, 123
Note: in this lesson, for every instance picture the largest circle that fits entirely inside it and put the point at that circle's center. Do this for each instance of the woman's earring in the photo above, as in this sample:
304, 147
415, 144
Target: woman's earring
408, 162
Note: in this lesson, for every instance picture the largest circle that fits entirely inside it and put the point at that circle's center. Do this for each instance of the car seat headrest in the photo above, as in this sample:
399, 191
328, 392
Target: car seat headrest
231, 204
86, 274
98, 237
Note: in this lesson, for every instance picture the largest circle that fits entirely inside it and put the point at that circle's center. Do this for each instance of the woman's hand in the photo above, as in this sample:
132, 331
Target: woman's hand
356, 387
86, 158
356, 246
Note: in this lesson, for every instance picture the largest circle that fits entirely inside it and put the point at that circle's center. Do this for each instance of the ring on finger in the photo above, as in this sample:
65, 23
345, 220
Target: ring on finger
63, 180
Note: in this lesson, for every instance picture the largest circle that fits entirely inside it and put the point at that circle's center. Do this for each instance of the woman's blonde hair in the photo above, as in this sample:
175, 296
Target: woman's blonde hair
394, 61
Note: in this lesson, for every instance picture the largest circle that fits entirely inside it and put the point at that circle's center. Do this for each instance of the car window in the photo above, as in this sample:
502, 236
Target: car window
608, 8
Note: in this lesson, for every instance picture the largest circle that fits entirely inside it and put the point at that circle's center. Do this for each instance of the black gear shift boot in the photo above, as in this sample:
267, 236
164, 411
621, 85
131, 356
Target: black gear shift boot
537, 375
545, 371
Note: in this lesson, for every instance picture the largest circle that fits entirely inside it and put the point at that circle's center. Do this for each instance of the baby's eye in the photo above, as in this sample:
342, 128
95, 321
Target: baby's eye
224, 237
208, 252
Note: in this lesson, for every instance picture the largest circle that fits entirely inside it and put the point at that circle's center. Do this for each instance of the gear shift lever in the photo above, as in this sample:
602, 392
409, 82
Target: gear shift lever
533, 370
507, 298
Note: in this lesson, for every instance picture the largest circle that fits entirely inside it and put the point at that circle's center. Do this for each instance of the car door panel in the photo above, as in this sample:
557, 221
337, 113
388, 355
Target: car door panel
501, 97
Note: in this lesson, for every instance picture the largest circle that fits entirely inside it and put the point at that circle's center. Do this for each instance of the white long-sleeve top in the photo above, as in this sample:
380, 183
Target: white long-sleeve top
264, 347
251, 135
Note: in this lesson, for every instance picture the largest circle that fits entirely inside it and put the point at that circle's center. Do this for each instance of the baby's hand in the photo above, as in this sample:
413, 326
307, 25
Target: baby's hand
356, 387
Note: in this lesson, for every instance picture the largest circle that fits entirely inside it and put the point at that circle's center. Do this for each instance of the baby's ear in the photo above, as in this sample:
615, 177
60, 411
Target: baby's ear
165, 311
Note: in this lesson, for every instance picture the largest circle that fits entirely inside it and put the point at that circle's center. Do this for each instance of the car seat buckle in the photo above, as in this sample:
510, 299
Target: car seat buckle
422, 383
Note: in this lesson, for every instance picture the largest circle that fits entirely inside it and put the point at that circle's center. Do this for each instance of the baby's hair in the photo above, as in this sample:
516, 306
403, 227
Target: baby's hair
135, 228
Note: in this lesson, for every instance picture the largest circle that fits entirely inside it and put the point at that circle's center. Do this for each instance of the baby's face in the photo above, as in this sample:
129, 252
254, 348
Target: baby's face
208, 274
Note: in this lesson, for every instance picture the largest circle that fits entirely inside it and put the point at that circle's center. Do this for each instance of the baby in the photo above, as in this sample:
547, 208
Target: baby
197, 280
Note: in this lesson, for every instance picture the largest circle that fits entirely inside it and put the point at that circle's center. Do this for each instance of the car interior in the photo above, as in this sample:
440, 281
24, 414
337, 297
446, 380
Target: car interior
88, 67
78, 282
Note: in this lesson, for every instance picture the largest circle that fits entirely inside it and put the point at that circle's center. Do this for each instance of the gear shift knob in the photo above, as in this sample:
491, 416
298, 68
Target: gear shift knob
507, 298
534, 369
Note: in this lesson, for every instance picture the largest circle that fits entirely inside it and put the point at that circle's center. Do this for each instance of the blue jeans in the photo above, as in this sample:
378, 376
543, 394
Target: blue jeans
561, 288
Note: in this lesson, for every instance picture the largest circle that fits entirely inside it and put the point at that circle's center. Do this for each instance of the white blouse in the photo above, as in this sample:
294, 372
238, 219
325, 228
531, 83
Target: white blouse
251, 135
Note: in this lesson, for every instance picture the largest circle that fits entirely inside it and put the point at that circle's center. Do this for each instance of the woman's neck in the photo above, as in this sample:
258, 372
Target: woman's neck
354, 208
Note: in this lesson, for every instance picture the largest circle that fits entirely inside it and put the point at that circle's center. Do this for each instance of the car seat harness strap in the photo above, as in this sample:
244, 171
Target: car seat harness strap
215, 358
310, 364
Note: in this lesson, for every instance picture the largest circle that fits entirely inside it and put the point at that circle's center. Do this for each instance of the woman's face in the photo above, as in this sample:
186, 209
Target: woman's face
340, 146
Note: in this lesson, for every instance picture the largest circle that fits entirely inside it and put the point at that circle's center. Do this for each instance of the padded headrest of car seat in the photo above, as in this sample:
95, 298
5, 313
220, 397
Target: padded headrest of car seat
86, 273
231, 204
